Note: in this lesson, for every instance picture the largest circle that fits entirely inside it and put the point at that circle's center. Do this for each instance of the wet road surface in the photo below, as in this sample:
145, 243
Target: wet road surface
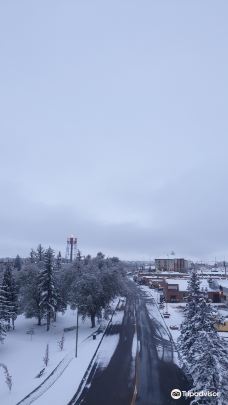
146, 378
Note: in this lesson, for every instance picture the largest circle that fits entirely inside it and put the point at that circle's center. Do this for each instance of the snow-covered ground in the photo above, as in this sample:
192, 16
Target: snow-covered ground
66, 386
24, 358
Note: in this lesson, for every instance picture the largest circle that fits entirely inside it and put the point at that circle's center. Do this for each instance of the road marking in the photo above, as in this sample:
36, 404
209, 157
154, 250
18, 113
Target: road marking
136, 363
136, 379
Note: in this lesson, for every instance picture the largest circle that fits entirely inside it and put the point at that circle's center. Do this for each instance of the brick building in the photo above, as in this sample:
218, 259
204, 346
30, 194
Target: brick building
172, 264
175, 290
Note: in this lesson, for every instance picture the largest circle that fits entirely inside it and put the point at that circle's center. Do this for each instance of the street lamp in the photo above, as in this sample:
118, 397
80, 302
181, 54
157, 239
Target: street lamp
76, 337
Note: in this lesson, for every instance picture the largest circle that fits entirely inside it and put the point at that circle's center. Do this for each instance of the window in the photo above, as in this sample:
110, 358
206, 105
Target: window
173, 287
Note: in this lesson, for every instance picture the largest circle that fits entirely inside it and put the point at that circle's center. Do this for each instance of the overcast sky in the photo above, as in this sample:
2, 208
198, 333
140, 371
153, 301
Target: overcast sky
114, 126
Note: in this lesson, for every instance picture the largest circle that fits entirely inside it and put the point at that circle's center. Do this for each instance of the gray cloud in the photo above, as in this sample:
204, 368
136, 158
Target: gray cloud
114, 128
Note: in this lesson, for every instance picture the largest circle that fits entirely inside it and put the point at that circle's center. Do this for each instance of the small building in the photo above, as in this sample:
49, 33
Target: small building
175, 290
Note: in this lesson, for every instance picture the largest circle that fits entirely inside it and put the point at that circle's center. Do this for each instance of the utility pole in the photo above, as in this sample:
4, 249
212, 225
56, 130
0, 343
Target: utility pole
76, 340
224, 263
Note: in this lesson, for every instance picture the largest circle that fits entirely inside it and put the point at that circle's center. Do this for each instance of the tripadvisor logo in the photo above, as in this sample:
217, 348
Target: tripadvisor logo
175, 393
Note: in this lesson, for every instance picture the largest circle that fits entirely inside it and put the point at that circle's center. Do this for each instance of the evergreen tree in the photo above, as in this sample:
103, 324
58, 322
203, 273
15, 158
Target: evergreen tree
87, 259
61, 296
47, 287
40, 254
58, 264
4, 315
2, 330
78, 263
5, 308
208, 358
79, 255
204, 354
33, 256
17, 263
10, 290
188, 328
100, 259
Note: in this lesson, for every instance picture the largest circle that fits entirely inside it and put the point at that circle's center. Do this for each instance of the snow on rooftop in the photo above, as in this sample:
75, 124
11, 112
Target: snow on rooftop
223, 283
183, 283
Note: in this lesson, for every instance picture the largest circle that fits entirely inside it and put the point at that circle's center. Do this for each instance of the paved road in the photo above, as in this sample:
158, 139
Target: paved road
146, 379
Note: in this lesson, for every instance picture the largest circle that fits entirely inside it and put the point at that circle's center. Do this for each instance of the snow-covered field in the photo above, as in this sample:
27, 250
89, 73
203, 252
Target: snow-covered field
24, 359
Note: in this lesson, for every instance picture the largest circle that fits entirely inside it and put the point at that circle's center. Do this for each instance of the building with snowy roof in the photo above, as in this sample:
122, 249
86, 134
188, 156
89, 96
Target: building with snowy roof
175, 290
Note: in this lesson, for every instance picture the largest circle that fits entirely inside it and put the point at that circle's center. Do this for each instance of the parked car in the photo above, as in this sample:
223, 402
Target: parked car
174, 327
166, 315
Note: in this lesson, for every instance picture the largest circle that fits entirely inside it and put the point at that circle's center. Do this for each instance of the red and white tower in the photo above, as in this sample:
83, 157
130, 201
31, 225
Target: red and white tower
71, 248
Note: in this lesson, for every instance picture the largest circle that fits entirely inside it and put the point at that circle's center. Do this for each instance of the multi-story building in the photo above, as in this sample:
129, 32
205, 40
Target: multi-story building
172, 264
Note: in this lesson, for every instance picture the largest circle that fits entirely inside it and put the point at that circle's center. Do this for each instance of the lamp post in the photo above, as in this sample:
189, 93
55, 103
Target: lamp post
76, 337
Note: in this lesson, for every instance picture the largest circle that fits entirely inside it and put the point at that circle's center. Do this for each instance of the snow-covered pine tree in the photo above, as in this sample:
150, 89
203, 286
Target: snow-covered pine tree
78, 262
5, 306
187, 329
58, 263
61, 297
208, 358
3, 315
205, 317
60, 288
17, 263
40, 253
47, 287
2, 330
10, 291
32, 256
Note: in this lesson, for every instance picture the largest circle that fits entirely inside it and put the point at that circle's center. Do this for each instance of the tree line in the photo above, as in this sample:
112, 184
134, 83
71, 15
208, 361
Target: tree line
44, 285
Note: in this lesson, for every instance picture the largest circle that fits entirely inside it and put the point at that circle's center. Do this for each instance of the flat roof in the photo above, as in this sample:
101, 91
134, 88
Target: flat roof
183, 284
